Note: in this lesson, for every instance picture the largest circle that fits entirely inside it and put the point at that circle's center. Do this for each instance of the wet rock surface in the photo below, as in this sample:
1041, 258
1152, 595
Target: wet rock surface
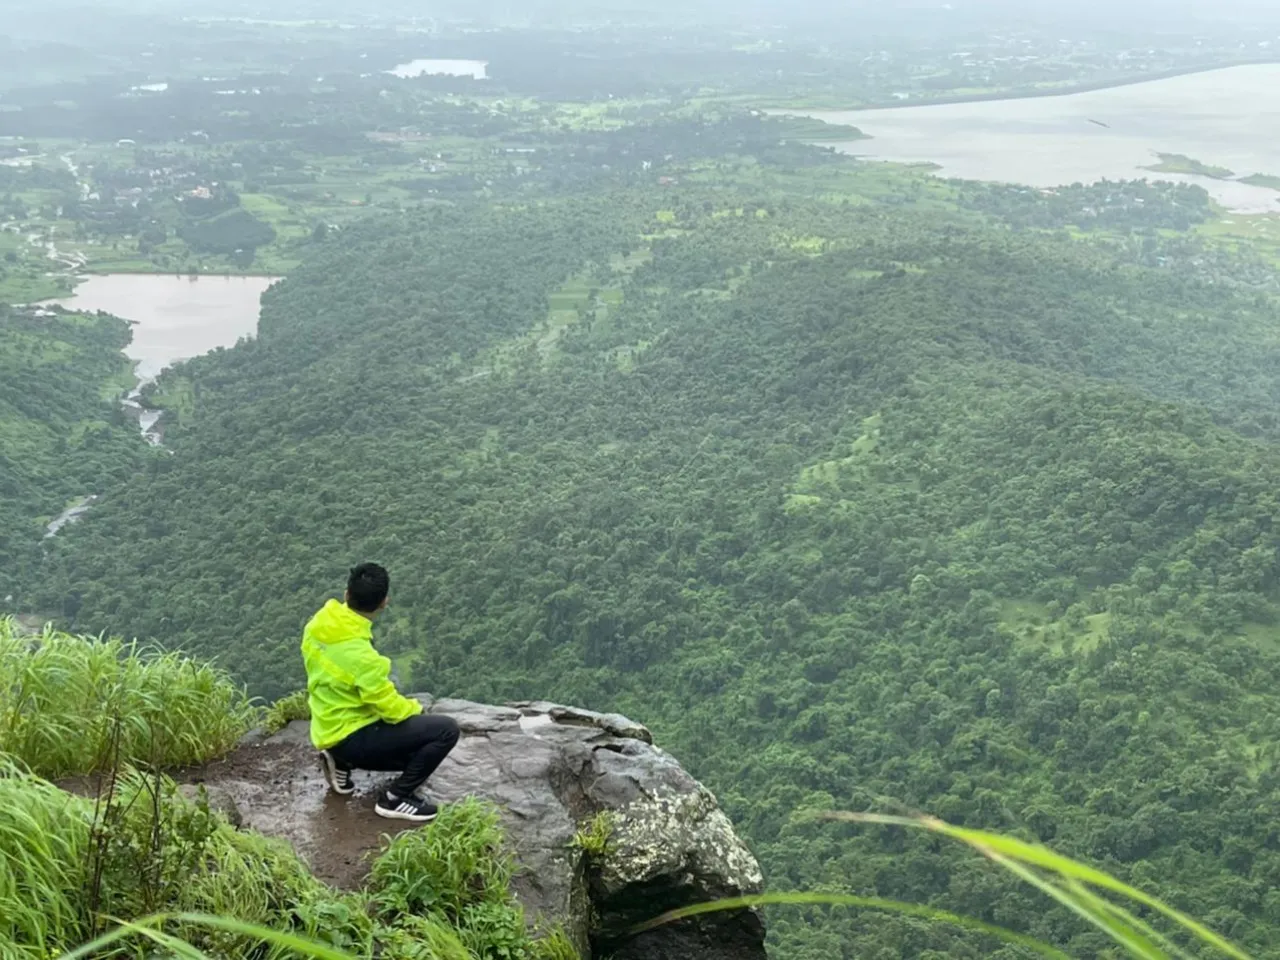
550, 769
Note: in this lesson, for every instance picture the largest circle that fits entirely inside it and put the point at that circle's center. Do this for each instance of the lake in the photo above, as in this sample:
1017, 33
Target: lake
1228, 118
175, 318
445, 68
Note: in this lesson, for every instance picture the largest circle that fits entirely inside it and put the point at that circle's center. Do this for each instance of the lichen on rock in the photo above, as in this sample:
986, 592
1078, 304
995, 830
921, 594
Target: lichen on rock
677, 833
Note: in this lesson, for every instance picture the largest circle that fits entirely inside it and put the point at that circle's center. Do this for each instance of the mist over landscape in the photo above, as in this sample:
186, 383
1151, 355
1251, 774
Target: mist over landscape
876, 407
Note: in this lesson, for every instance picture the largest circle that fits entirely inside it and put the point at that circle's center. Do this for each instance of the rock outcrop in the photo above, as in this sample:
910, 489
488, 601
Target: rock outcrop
551, 770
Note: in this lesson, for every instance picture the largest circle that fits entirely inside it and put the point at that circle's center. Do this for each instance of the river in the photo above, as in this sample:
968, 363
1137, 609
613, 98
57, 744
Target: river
174, 318
1228, 118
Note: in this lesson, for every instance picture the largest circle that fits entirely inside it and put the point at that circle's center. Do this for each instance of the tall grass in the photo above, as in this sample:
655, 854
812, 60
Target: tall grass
68, 865
72, 868
44, 840
76, 705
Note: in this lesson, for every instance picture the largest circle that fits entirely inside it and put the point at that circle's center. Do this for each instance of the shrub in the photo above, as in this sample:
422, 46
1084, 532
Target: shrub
455, 863
457, 873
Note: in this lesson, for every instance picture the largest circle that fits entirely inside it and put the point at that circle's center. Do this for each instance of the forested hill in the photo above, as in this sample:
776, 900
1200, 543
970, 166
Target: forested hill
857, 505
62, 433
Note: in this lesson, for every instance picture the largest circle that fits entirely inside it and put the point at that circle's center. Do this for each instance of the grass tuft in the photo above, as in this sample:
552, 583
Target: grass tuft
593, 837
556, 945
70, 866
284, 711
77, 705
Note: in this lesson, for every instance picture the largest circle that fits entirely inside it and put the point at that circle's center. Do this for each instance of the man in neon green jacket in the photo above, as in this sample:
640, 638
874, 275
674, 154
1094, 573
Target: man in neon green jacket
359, 721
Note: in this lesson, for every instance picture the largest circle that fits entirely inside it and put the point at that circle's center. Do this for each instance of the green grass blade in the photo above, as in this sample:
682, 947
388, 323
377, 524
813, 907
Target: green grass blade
1027, 853
148, 928
278, 938
1132, 940
849, 900
123, 930
175, 945
1102, 903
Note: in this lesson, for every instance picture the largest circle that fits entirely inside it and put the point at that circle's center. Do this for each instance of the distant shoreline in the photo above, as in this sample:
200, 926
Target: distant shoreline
89, 270
1057, 91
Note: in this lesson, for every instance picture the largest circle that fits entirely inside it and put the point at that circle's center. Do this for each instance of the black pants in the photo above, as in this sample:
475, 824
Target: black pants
414, 746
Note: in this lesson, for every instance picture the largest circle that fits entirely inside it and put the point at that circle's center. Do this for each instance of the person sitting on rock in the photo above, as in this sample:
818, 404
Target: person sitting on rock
358, 718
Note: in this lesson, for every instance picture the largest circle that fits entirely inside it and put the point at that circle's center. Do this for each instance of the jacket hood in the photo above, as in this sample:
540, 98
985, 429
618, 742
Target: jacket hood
336, 622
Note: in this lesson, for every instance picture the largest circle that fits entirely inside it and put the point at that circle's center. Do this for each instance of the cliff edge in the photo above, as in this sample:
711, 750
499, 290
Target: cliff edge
663, 842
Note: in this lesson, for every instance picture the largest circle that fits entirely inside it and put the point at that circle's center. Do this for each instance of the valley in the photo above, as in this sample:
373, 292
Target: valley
874, 467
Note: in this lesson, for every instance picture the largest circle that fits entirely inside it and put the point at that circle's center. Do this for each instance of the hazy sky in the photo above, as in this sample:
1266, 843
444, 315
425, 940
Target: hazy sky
1159, 16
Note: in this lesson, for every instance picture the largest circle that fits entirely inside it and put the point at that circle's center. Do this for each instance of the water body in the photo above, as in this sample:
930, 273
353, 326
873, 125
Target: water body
477, 69
175, 318
1227, 118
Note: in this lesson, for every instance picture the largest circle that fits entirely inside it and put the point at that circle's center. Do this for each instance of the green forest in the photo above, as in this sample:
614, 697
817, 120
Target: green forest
62, 437
858, 505
865, 489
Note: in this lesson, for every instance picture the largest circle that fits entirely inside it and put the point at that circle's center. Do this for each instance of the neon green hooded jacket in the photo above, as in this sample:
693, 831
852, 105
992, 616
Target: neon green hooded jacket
348, 682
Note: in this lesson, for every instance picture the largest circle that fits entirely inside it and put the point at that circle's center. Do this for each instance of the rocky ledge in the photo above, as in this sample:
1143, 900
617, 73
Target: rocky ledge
551, 770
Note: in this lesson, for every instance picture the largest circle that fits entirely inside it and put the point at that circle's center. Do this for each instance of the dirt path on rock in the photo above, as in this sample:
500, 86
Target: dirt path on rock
280, 791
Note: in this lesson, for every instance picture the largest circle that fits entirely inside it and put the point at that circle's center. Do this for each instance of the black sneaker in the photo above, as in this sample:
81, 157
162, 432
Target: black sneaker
339, 777
408, 808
